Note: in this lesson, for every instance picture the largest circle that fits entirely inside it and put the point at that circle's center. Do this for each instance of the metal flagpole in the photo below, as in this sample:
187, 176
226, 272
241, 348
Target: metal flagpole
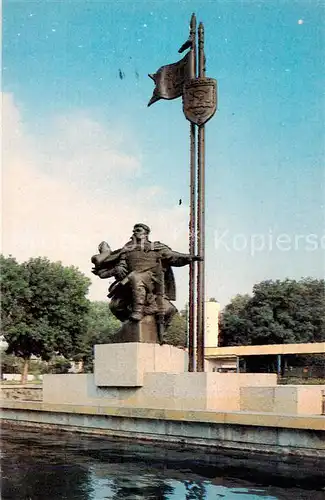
199, 105
201, 221
192, 223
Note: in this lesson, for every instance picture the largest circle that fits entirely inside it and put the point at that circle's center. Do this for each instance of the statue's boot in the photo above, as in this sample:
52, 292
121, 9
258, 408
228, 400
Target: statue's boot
138, 304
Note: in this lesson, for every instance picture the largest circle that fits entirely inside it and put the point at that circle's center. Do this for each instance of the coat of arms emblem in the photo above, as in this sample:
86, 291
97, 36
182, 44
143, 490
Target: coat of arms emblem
200, 100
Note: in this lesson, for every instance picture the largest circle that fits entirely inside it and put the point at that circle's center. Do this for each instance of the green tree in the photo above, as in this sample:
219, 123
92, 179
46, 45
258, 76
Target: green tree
59, 365
234, 324
44, 308
101, 326
279, 312
177, 332
10, 364
101, 323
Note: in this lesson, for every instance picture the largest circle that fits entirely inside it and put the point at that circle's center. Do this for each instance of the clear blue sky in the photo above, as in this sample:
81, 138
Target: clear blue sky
265, 145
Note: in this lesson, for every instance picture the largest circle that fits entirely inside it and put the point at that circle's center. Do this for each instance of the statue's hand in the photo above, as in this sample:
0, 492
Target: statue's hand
104, 247
120, 274
197, 258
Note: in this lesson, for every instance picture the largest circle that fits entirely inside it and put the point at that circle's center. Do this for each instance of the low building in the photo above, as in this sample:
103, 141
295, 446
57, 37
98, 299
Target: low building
229, 358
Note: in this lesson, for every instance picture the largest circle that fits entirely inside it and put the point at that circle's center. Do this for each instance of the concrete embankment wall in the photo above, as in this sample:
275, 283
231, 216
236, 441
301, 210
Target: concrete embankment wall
239, 431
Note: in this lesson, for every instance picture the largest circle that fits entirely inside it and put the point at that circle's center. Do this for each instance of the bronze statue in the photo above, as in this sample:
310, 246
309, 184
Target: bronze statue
144, 281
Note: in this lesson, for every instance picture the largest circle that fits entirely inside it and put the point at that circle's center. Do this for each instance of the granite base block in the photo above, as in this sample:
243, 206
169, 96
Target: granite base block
124, 365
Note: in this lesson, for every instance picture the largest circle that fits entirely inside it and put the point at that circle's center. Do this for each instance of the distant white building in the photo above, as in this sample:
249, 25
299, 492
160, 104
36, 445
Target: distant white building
211, 333
3, 344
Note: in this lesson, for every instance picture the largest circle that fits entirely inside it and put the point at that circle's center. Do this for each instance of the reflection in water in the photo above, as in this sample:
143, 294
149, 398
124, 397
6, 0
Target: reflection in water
145, 486
42, 466
141, 487
31, 473
194, 490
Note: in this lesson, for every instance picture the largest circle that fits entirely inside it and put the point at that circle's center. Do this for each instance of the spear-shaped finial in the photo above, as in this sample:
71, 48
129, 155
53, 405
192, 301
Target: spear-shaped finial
189, 42
201, 50
201, 32
193, 22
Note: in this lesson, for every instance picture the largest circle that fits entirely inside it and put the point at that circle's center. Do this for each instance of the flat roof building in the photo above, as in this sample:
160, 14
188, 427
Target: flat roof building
228, 357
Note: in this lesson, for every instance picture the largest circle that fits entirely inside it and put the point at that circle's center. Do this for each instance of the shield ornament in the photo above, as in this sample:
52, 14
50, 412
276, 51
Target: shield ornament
200, 100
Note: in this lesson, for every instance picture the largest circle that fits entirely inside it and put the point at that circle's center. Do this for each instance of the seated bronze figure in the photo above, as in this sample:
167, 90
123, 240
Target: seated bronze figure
144, 281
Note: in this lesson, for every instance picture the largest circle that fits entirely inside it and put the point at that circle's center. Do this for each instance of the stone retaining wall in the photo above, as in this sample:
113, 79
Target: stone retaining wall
282, 435
21, 392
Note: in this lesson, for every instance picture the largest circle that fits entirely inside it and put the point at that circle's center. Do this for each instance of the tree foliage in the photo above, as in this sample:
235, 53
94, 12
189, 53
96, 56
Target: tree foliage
102, 325
177, 332
44, 307
59, 365
279, 312
233, 323
10, 364
100, 328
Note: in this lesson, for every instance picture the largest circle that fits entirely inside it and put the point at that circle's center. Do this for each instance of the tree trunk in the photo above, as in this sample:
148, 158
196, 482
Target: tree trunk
25, 371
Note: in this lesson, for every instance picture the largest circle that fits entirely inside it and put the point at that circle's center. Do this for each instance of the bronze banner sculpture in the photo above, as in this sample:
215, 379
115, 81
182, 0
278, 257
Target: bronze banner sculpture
144, 281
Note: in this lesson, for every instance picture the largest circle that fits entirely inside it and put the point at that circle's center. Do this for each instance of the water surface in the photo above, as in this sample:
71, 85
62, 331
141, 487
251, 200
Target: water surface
45, 466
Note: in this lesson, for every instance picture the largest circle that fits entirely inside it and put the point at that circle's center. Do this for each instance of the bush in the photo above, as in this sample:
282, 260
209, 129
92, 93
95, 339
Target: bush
11, 364
301, 381
59, 365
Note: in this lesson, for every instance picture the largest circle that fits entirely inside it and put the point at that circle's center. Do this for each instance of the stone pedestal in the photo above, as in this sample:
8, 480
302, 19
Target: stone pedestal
124, 365
294, 399
198, 391
138, 331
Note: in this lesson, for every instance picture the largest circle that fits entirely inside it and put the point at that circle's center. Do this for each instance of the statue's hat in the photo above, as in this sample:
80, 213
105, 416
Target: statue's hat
144, 226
